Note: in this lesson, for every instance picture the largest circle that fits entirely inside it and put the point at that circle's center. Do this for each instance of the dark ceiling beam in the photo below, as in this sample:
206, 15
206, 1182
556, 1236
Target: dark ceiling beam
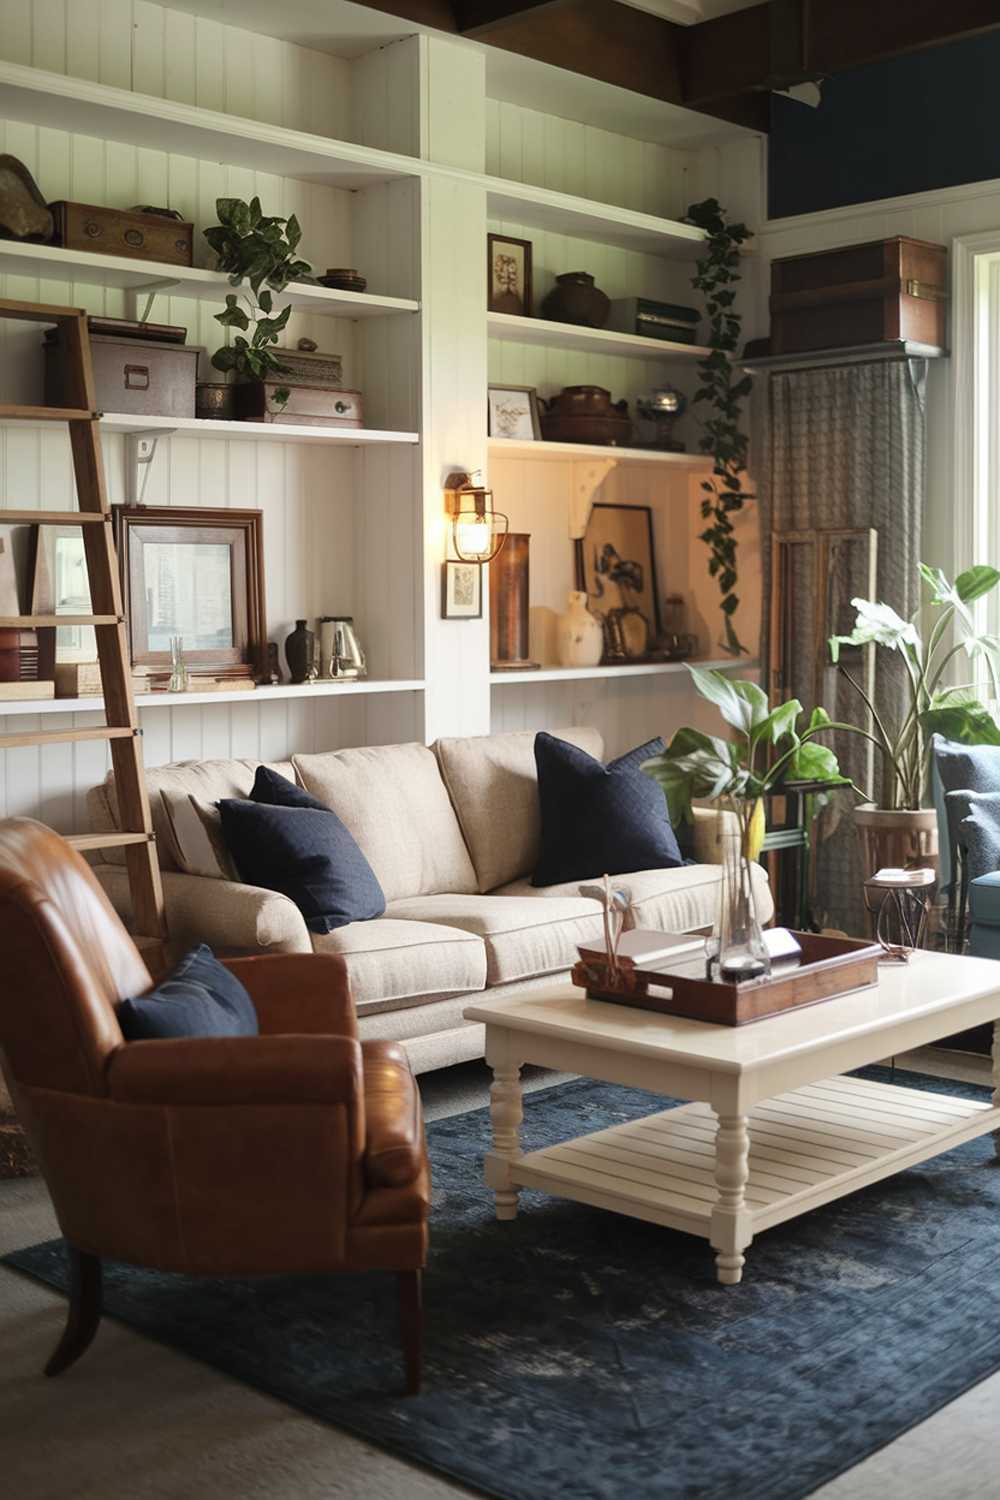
725, 67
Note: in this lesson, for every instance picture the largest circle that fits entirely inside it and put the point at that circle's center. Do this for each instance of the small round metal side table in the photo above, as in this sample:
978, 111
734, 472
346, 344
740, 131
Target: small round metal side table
899, 902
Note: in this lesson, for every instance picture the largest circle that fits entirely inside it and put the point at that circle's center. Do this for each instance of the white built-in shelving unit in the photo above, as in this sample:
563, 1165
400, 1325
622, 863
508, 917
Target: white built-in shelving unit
386, 175
622, 671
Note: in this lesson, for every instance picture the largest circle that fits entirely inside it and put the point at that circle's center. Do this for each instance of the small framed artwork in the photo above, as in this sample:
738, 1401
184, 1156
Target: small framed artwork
462, 591
513, 412
508, 275
60, 586
616, 567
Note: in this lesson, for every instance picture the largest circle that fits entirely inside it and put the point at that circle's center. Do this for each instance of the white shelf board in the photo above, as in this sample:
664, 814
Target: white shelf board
271, 432
513, 329
639, 669
563, 213
573, 452
82, 107
52, 262
181, 700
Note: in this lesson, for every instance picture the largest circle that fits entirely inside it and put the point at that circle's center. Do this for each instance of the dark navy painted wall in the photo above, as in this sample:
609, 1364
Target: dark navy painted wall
929, 120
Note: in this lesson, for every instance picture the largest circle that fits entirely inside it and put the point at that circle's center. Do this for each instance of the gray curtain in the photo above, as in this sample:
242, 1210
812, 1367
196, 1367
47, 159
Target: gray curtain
844, 447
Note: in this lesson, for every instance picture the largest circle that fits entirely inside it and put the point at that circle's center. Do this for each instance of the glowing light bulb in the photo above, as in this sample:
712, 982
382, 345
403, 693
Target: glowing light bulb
473, 535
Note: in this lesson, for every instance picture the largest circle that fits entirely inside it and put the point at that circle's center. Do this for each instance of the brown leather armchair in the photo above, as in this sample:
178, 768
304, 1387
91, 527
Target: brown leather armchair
300, 1150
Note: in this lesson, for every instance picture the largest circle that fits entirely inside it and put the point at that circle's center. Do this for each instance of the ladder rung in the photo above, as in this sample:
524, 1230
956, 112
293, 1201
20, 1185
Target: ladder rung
40, 312
85, 841
11, 412
39, 622
66, 736
54, 517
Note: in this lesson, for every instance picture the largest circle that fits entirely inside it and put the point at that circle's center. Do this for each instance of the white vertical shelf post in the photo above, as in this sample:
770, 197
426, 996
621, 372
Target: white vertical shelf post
454, 373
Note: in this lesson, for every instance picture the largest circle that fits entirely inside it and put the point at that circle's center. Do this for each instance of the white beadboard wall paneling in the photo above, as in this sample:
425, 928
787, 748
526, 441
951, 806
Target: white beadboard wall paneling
153, 50
386, 105
526, 146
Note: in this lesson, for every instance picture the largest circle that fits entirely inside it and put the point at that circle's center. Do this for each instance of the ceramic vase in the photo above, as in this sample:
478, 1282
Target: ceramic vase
299, 651
579, 634
575, 299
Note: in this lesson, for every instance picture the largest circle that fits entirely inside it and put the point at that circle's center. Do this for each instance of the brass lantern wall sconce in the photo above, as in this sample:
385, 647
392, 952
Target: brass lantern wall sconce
478, 529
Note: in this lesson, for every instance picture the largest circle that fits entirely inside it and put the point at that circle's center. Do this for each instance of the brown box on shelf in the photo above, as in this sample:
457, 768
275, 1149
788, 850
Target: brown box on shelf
78, 679
142, 377
306, 406
881, 292
116, 231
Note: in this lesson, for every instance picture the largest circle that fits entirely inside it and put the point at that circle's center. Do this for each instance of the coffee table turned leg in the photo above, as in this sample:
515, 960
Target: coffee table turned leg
506, 1114
996, 1081
730, 1229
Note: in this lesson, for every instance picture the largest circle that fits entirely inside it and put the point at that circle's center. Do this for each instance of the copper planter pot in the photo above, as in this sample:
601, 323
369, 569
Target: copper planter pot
509, 596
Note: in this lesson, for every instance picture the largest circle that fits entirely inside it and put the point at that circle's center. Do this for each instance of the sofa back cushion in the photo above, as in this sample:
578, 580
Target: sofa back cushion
204, 780
393, 802
493, 784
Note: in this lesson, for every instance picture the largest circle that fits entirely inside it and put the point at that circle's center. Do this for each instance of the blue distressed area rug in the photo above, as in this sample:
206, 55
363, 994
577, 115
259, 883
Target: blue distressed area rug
576, 1355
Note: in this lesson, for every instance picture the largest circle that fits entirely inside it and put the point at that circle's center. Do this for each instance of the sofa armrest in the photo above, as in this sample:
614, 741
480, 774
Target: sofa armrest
304, 993
254, 1070
709, 826
394, 1126
228, 916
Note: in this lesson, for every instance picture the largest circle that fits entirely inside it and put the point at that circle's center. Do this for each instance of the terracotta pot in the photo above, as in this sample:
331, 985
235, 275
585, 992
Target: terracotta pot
586, 414
902, 840
575, 299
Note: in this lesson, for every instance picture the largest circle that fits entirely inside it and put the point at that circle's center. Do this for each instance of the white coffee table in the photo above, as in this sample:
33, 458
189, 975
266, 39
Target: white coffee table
773, 1131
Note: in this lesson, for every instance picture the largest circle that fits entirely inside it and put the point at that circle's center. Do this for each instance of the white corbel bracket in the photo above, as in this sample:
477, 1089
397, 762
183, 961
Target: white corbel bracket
140, 450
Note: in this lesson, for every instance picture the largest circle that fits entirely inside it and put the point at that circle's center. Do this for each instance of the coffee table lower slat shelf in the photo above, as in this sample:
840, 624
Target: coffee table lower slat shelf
807, 1147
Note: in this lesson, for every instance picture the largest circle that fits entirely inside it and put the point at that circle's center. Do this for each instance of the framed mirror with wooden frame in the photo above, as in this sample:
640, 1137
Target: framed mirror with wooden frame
196, 573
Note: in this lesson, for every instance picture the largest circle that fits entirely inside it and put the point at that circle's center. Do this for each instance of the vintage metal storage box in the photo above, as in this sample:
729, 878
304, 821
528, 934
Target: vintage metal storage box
655, 320
861, 294
139, 376
305, 406
117, 231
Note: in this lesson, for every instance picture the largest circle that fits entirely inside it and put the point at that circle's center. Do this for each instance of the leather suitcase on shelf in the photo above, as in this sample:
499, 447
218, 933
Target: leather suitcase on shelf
117, 231
876, 293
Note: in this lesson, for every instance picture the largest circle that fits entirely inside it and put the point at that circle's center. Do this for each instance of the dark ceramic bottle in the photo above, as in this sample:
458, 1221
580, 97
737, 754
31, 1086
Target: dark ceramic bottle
575, 299
299, 651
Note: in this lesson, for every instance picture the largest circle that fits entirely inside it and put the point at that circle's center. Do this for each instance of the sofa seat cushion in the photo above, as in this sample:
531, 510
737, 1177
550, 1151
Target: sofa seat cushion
984, 899
204, 780
393, 963
394, 804
679, 900
493, 784
523, 938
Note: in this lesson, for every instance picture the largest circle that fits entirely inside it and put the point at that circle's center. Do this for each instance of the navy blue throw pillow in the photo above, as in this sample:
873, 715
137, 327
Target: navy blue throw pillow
277, 791
199, 997
599, 820
306, 854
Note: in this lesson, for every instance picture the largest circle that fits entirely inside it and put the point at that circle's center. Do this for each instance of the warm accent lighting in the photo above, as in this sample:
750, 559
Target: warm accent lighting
478, 531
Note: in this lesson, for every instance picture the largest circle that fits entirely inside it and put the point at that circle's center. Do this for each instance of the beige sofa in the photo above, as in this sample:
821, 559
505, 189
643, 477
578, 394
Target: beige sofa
452, 833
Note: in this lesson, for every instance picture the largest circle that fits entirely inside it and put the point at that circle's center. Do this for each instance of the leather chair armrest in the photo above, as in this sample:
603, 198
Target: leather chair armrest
243, 1070
395, 1152
304, 993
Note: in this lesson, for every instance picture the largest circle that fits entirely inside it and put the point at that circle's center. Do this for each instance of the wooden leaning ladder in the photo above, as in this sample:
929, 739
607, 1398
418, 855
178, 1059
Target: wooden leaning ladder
121, 729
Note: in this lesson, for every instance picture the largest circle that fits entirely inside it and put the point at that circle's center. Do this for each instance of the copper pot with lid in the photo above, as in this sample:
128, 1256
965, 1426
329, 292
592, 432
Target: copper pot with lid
586, 414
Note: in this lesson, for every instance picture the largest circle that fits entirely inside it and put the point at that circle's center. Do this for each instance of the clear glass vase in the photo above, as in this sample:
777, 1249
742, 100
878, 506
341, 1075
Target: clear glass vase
178, 669
737, 943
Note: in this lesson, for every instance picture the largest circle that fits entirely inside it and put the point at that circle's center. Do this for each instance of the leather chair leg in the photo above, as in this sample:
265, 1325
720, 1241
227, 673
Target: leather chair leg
411, 1323
84, 1310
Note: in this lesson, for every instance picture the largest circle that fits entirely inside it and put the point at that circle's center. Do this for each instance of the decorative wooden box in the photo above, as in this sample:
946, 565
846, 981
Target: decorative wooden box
142, 376
830, 967
306, 405
881, 292
116, 231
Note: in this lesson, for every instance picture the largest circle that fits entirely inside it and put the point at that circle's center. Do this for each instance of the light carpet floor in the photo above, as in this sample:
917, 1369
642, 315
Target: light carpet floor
137, 1421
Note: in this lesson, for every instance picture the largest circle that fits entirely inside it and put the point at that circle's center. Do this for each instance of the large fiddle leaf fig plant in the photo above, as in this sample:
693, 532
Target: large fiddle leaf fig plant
259, 251
934, 705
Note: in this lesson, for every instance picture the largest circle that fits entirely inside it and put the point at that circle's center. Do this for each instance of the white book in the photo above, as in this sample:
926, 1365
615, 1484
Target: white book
644, 946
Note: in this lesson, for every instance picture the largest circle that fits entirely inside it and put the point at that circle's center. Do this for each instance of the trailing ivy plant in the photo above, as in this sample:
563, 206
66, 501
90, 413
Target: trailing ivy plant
717, 273
260, 251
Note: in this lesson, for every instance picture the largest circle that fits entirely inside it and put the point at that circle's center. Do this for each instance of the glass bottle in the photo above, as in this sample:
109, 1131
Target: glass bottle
741, 952
178, 670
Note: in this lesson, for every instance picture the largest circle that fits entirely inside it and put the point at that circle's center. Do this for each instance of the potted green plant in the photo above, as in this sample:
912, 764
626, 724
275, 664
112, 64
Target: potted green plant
902, 828
769, 749
259, 251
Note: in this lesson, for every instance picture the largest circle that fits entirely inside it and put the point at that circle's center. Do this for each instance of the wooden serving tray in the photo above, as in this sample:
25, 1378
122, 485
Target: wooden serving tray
830, 966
